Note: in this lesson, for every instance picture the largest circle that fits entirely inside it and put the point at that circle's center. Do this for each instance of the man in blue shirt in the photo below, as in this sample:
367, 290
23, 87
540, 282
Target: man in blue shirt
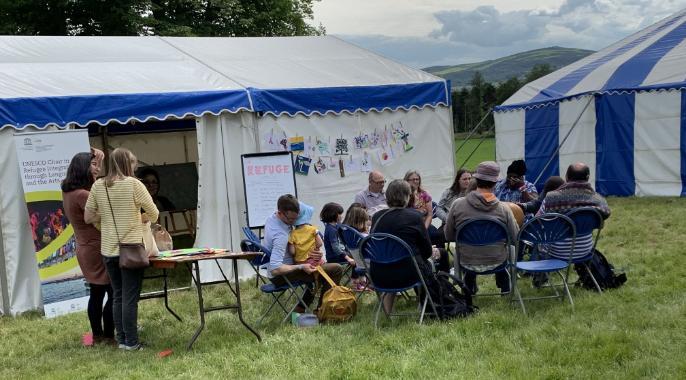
276, 230
514, 188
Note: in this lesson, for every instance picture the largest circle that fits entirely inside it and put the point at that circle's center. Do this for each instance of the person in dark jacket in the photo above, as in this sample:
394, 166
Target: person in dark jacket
532, 207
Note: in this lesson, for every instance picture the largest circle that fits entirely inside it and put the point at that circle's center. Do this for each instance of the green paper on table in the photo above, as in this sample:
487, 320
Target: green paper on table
189, 252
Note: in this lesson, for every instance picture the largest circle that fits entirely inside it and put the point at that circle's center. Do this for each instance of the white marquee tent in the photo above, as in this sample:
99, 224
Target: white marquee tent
239, 90
622, 110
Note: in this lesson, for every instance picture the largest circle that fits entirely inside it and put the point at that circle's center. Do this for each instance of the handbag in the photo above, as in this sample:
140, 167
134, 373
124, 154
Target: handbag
131, 255
338, 303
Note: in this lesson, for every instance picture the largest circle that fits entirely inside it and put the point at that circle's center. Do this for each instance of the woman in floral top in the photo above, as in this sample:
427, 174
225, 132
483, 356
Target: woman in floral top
420, 200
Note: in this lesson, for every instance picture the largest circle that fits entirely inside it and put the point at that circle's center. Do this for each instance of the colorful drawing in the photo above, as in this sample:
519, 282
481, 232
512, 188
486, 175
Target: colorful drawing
323, 148
341, 146
320, 166
365, 163
297, 143
302, 165
400, 134
374, 139
385, 158
361, 141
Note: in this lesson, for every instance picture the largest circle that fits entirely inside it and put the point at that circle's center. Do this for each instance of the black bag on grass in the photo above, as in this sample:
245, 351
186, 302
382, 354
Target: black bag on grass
453, 299
603, 272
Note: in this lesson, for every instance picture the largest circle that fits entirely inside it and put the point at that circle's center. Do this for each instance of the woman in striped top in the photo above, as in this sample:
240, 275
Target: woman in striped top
115, 202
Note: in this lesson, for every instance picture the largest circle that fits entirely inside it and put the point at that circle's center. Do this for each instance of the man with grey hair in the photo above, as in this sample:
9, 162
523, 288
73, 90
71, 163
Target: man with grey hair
373, 197
482, 203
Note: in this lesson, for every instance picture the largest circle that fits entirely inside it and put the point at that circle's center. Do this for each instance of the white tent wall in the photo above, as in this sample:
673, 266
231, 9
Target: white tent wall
431, 136
23, 291
580, 145
509, 137
657, 150
221, 202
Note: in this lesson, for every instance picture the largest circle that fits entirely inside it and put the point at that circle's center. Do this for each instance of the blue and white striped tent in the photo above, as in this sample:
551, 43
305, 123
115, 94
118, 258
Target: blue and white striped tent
621, 110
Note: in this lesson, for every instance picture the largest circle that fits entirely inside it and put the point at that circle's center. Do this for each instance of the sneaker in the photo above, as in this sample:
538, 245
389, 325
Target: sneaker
137, 347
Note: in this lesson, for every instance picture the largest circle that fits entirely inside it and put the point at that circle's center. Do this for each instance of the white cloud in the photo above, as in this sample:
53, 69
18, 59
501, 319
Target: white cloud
438, 32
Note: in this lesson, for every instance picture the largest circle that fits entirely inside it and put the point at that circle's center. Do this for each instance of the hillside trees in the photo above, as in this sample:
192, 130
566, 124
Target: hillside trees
157, 17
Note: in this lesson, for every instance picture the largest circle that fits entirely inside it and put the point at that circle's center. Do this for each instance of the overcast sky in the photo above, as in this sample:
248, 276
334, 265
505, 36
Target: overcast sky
424, 33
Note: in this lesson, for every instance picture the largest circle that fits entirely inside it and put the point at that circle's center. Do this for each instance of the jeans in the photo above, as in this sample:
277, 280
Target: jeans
101, 319
126, 284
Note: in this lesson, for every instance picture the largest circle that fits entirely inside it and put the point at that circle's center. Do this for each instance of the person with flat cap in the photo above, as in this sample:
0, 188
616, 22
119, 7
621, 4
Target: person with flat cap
514, 188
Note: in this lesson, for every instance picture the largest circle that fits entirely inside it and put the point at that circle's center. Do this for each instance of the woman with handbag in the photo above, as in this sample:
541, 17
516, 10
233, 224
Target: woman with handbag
115, 201
81, 174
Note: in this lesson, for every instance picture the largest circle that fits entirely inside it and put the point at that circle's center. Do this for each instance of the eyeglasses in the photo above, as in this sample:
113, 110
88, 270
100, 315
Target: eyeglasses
382, 182
413, 179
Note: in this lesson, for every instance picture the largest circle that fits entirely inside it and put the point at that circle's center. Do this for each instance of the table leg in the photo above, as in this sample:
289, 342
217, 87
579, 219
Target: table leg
201, 306
238, 301
166, 296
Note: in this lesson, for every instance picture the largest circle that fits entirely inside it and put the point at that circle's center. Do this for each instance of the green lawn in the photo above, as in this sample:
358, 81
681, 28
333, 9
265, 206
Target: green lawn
483, 151
633, 332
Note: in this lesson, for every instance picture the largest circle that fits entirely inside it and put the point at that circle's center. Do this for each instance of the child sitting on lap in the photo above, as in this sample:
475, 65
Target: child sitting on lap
304, 238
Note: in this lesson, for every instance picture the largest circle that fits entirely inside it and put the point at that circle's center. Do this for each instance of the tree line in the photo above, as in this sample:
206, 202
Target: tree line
209, 18
472, 103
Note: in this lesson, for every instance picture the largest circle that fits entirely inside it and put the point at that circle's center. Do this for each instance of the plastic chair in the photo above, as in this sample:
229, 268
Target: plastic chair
386, 249
586, 220
352, 238
290, 289
484, 232
542, 231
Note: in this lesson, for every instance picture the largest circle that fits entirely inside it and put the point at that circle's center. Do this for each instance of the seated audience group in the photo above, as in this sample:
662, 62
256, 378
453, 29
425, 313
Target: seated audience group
405, 209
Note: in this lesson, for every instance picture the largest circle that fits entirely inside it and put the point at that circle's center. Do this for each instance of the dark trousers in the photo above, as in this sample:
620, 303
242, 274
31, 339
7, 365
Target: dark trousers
126, 284
502, 281
101, 318
335, 271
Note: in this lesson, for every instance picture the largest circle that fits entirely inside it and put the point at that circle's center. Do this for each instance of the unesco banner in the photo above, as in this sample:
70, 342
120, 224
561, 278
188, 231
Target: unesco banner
43, 161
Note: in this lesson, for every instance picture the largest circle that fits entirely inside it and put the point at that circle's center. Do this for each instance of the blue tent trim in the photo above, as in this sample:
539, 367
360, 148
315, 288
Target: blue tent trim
82, 110
349, 99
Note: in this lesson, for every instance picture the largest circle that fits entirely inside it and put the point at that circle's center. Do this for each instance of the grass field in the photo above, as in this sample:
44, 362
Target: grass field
633, 332
483, 151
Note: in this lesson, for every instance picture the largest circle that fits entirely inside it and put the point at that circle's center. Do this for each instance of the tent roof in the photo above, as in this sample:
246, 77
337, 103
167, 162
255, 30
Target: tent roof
61, 80
653, 58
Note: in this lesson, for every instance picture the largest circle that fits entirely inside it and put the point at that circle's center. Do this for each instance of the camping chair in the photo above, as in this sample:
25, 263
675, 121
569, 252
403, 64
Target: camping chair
250, 235
383, 249
543, 231
587, 219
290, 288
489, 234
351, 238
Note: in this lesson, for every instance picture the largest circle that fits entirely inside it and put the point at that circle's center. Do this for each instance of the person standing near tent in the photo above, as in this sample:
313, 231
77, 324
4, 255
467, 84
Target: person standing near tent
81, 174
115, 201
514, 188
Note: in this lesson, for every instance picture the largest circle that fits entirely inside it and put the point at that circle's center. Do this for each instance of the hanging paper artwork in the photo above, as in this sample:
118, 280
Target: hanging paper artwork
302, 165
375, 139
341, 146
361, 141
323, 148
352, 165
297, 143
385, 158
283, 142
400, 134
341, 167
366, 163
332, 163
320, 166
271, 142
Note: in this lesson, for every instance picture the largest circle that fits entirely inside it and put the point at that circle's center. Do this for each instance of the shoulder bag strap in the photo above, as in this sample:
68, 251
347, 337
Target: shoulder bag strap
325, 276
111, 211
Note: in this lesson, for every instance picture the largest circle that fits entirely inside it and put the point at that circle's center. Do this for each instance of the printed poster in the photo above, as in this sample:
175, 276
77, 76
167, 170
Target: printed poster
43, 161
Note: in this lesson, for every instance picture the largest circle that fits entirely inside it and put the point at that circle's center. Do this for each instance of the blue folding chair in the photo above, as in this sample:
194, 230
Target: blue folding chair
291, 288
542, 232
386, 250
586, 220
489, 234
250, 235
352, 238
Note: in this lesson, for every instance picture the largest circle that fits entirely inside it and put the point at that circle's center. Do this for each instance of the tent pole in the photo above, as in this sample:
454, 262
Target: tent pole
4, 291
103, 139
590, 98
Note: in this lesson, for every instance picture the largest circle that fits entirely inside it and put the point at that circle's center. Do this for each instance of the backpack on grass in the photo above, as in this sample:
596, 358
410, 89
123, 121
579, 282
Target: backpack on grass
603, 272
338, 303
453, 299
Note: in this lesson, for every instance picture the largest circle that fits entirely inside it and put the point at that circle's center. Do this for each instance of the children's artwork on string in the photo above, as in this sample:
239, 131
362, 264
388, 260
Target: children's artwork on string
361, 141
297, 143
308, 147
375, 139
302, 165
400, 134
352, 165
366, 163
332, 164
320, 166
283, 142
341, 146
385, 157
323, 147
271, 142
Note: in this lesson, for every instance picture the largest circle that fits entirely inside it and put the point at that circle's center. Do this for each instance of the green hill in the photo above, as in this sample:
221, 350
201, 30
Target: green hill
501, 69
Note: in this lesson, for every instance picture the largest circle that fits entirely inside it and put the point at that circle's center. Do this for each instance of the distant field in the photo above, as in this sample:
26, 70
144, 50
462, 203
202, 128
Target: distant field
484, 152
